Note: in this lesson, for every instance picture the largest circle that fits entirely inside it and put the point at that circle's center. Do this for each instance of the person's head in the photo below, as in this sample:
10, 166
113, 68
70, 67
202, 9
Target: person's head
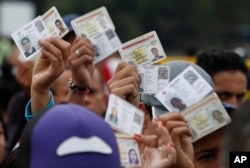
96, 99
228, 71
218, 116
133, 157
208, 150
155, 52
68, 135
148, 101
25, 42
59, 25
177, 103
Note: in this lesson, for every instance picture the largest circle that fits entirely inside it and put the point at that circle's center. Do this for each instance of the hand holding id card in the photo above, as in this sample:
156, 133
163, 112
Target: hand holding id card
42, 27
123, 116
143, 50
99, 28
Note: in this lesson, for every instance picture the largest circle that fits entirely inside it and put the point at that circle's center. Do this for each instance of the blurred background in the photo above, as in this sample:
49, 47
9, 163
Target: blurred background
182, 26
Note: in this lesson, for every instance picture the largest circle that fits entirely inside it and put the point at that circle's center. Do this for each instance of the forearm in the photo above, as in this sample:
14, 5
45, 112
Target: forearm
39, 99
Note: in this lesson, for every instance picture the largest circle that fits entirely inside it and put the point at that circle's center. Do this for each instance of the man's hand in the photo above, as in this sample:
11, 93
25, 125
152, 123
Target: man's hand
125, 83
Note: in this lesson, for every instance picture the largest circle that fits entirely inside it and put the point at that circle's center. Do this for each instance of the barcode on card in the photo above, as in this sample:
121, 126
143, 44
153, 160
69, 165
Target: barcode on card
191, 77
39, 26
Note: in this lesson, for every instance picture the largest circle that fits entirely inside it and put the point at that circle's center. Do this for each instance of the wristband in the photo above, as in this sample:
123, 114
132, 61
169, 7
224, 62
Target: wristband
79, 90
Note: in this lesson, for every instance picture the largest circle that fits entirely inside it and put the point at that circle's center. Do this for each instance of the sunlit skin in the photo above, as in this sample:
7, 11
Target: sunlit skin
96, 99
208, 150
231, 86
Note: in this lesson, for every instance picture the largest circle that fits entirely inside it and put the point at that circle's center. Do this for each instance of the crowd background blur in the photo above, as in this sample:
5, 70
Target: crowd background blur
183, 27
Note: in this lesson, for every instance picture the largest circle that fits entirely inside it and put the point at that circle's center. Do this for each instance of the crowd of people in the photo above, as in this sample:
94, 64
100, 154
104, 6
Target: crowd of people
55, 115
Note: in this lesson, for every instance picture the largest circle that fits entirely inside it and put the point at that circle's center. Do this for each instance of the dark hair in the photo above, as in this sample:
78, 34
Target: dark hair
214, 60
130, 161
216, 111
25, 38
154, 49
57, 20
174, 98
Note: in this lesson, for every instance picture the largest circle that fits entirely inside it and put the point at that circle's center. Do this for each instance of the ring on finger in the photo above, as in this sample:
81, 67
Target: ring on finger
77, 52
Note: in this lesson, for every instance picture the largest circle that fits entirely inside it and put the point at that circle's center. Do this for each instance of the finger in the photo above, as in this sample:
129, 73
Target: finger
123, 65
163, 133
125, 91
79, 43
62, 45
168, 155
49, 47
85, 59
181, 132
172, 116
123, 73
126, 71
170, 125
124, 82
147, 140
120, 66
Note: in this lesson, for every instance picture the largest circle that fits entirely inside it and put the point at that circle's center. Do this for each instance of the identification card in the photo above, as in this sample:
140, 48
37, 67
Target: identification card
129, 150
26, 38
184, 90
54, 23
99, 28
143, 50
206, 116
123, 116
48, 25
153, 78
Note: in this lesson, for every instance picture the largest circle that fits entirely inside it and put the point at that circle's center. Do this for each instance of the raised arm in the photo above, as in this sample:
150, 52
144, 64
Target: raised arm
47, 68
82, 67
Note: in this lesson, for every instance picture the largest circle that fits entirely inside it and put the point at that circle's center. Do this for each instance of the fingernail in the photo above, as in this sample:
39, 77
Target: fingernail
156, 119
138, 135
171, 145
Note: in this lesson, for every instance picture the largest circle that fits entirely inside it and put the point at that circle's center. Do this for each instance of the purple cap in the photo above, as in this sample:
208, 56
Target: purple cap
69, 135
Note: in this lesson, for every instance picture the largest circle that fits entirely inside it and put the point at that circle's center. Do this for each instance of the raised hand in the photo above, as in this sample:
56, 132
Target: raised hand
125, 83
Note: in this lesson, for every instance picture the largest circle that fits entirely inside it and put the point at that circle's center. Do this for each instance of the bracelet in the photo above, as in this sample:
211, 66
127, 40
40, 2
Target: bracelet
77, 89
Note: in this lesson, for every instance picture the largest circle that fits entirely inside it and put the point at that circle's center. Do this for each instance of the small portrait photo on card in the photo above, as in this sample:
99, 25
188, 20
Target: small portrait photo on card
27, 46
